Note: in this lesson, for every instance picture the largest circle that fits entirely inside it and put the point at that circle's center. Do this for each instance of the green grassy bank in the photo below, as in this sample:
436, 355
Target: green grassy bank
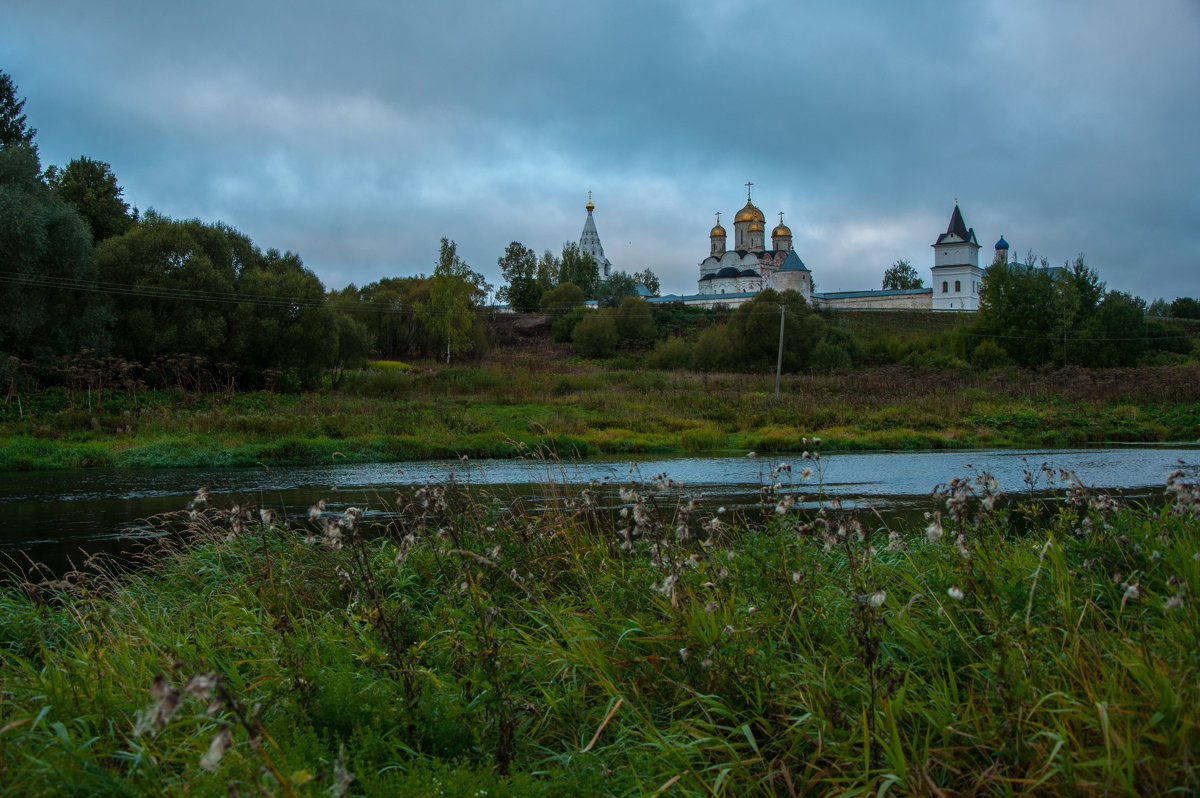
461, 647
581, 409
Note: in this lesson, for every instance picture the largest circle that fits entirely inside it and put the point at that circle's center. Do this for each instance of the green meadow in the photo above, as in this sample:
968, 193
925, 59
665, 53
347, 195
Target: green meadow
579, 408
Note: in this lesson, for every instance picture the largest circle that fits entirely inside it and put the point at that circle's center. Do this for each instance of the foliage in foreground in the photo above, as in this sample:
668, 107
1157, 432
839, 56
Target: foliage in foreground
460, 645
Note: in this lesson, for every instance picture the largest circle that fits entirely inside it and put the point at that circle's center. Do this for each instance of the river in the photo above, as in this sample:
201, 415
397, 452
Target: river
56, 518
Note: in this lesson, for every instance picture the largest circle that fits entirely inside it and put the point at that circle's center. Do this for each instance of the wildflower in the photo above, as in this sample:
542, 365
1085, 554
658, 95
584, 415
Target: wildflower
220, 744
877, 598
752, 454
167, 700
1132, 592
806, 473
955, 593
933, 532
711, 607
1174, 602
796, 577
315, 511
684, 653
1156, 557
816, 441
729, 630
341, 776
666, 587
895, 542
201, 685
266, 517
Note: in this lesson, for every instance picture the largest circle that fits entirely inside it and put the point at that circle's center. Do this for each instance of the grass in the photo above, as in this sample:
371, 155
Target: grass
460, 645
579, 408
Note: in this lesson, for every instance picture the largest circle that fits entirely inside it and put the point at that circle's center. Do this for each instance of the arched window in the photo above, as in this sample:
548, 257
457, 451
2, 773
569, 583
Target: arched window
945, 287
957, 286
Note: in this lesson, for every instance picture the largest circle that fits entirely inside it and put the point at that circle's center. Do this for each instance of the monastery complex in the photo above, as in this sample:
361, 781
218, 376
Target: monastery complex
731, 276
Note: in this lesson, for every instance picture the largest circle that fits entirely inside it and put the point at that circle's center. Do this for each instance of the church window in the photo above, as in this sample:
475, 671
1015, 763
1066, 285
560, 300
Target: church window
957, 286
945, 287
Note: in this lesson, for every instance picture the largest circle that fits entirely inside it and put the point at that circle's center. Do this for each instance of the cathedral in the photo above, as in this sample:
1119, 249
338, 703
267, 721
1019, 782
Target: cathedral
750, 267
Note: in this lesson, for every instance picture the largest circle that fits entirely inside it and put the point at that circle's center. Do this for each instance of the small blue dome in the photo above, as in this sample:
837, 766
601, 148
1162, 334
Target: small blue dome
1001, 244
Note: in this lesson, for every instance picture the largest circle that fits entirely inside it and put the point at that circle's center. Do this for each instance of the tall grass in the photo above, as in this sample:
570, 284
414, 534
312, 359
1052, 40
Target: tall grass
461, 643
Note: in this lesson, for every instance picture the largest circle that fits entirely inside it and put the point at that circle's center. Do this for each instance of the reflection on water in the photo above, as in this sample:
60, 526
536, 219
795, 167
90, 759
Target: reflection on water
52, 516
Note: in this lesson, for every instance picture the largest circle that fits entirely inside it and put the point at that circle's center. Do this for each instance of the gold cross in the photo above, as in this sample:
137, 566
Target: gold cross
748, 184
718, 218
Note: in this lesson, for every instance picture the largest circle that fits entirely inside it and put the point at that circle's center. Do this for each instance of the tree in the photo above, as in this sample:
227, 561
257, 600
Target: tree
454, 293
610, 292
1185, 307
756, 330
204, 291
519, 267
547, 271
579, 268
649, 279
901, 276
92, 188
13, 131
47, 269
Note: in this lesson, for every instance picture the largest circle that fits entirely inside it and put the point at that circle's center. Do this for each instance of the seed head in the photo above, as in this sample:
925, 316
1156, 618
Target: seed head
955, 593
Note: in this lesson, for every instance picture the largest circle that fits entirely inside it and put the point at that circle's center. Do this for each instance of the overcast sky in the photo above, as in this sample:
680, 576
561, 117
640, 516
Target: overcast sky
358, 134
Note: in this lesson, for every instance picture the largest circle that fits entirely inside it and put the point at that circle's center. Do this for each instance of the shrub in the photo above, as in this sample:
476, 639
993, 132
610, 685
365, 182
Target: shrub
829, 356
673, 353
988, 355
562, 298
564, 326
596, 335
635, 320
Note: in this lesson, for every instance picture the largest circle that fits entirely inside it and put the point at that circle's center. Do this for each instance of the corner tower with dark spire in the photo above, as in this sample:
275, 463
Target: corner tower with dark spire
956, 273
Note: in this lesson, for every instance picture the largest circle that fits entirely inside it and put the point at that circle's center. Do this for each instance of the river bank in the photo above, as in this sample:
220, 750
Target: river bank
452, 647
581, 410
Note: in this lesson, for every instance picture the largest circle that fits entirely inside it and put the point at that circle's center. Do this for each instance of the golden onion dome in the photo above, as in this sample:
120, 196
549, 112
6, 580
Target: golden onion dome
749, 214
781, 230
717, 232
756, 227
590, 207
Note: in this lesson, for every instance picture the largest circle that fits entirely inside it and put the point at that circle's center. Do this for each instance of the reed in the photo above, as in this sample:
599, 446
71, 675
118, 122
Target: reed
455, 642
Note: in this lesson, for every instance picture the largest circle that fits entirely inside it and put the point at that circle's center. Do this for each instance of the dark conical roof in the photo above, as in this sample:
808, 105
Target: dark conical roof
957, 229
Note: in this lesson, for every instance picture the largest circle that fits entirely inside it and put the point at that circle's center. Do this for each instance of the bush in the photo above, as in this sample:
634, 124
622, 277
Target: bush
635, 320
714, 349
562, 298
596, 335
829, 356
673, 353
564, 326
988, 355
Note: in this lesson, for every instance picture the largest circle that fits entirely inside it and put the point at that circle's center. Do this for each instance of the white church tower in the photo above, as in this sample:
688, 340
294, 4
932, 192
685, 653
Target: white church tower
589, 242
956, 273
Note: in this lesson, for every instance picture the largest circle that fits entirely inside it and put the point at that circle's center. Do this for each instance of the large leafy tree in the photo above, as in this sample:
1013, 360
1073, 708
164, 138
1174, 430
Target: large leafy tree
754, 331
92, 188
13, 129
47, 271
204, 290
455, 292
649, 279
609, 293
519, 266
580, 268
901, 276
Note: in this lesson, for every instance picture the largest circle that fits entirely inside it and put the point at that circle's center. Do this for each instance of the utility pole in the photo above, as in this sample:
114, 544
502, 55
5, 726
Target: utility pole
779, 359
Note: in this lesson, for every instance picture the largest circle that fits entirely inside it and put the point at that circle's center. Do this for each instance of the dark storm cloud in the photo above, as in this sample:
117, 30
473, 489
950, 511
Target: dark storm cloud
359, 135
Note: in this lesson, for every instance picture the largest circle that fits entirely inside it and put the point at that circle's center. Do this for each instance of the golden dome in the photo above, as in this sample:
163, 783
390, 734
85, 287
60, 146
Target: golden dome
756, 227
782, 229
717, 231
750, 214
590, 207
